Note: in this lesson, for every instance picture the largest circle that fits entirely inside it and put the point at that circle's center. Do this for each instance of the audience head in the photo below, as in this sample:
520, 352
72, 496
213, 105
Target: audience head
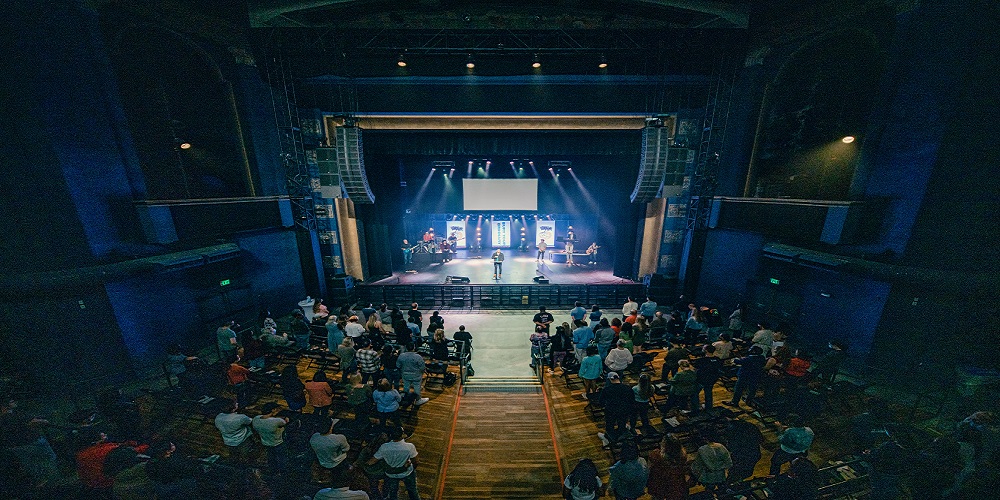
435, 313
408, 346
684, 364
614, 378
803, 468
539, 328
626, 327
414, 306
709, 349
579, 323
595, 308
320, 376
384, 385
762, 325
541, 309
604, 323
672, 449
439, 335
461, 328
616, 322
579, 304
269, 408
290, 371
756, 351
726, 337
793, 420
395, 433
584, 475
161, 448
592, 350
630, 451
353, 319
621, 344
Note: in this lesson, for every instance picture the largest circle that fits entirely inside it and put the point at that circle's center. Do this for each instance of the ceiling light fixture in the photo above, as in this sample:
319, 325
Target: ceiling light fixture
470, 62
603, 63
536, 62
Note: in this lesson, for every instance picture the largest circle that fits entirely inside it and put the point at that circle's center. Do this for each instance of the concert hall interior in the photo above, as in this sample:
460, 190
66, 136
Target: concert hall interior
641, 248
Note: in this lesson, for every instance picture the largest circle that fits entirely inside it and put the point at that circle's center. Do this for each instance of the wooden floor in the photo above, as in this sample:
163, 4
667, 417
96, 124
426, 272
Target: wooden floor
502, 448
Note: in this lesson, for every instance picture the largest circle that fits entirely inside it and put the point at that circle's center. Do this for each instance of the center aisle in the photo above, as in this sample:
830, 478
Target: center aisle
502, 445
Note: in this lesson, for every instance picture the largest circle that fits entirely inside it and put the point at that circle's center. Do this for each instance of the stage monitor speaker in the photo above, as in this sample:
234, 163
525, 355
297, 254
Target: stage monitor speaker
351, 164
661, 169
541, 280
457, 301
458, 279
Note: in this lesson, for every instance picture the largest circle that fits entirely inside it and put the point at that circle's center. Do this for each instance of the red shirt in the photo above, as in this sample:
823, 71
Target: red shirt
236, 374
320, 394
797, 367
631, 319
90, 463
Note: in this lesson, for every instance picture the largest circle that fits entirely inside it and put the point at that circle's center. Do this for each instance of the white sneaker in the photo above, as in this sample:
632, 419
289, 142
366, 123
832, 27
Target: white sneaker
421, 401
604, 440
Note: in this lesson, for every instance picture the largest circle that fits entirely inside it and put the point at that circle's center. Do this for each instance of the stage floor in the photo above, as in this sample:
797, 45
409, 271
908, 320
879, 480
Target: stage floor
518, 269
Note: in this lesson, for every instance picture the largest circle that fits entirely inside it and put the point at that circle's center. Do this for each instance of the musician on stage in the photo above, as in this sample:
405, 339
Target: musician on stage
592, 253
570, 240
541, 251
407, 254
445, 251
497, 264
429, 235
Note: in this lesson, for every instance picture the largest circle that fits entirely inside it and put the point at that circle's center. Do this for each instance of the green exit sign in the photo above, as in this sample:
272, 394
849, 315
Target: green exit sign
775, 281
226, 282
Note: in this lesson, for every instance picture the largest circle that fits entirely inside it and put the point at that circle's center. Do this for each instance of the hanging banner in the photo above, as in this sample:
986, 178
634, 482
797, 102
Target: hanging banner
545, 230
501, 234
456, 233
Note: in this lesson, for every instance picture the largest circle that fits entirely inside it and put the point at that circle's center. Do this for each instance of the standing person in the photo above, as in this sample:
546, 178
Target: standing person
668, 470
569, 251
368, 361
583, 483
630, 305
271, 428
359, 398
411, 367
543, 319
736, 321
300, 330
763, 338
799, 483
605, 336
497, 264
238, 378
401, 458
671, 360
235, 429
683, 387
629, 474
693, 327
707, 371
578, 313
592, 253
643, 391
539, 345
388, 358
435, 322
320, 394
723, 346
794, 442
595, 314
354, 328
226, 340
407, 255
347, 353
445, 251
330, 449
581, 339
387, 400
562, 344
292, 389
711, 463
542, 246
616, 398
648, 308
414, 316
743, 440
590, 371
619, 358
675, 327
748, 376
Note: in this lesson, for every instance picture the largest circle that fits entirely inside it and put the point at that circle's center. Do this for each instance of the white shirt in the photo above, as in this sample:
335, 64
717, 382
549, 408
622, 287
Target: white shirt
629, 307
235, 428
354, 330
330, 449
395, 454
618, 359
270, 430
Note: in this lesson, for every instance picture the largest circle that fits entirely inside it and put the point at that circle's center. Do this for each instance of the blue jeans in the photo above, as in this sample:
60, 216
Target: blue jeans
392, 375
414, 383
708, 394
409, 482
277, 457
743, 384
302, 341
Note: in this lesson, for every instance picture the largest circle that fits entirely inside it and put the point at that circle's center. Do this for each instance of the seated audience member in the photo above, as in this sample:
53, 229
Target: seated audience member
616, 325
300, 330
668, 470
583, 483
675, 327
172, 474
368, 311
235, 429
794, 442
763, 338
605, 336
90, 461
319, 312
619, 358
800, 482
439, 346
435, 319
330, 448
632, 317
561, 347
595, 314
798, 368
626, 334
384, 314
465, 347
590, 371
711, 463
640, 332
320, 394
629, 473
334, 333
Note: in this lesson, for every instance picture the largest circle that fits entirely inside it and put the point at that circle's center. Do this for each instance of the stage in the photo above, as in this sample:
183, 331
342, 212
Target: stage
519, 268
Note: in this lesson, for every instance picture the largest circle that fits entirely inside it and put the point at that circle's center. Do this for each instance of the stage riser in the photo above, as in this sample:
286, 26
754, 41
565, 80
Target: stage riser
500, 296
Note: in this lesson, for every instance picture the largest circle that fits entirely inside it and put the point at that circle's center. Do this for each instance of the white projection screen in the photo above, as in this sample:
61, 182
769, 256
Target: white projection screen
500, 194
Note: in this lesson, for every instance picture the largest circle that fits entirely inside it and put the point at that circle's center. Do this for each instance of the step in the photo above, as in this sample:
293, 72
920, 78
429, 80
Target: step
503, 384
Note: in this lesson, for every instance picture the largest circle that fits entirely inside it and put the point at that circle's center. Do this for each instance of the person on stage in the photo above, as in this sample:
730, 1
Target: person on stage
592, 253
407, 255
570, 241
541, 251
429, 235
445, 251
497, 264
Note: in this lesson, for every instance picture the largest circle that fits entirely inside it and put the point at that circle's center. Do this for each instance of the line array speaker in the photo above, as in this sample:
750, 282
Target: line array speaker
351, 163
661, 169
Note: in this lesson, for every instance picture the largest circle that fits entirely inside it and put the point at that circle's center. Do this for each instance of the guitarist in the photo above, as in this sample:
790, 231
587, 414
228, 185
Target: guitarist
592, 253
497, 264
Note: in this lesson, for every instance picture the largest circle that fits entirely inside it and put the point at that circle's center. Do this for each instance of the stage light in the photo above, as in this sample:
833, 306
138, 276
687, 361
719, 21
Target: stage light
847, 139
401, 61
185, 145
536, 62
470, 62
603, 63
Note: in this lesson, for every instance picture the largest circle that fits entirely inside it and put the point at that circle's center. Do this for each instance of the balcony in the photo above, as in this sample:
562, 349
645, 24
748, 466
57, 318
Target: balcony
167, 221
830, 222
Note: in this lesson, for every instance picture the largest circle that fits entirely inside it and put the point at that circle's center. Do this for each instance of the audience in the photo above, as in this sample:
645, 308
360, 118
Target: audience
411, 368
330, 448
292, 388
235, 429
583, 483
590, 371
387, 400
271, 429
668, 470
711, 463
320, 394
629, 473
619, 358
617, 400
400, 458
